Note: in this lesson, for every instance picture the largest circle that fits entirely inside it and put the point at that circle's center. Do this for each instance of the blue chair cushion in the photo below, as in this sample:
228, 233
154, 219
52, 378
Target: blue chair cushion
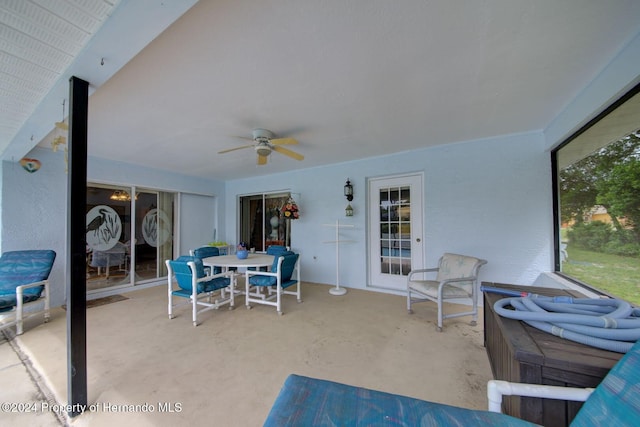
307, 401
183, 273
8, 301
206, 286
263, 280
22, 268
616, 400
274, 266
206, 252
276, 250
287, 267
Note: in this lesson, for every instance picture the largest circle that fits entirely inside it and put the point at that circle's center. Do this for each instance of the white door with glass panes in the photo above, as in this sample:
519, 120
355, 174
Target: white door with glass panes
395, 227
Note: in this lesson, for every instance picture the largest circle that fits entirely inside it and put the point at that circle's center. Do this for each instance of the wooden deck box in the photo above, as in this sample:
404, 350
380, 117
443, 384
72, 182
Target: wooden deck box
521, 353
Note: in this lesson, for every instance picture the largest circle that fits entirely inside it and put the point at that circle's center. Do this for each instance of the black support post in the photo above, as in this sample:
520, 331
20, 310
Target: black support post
76, 248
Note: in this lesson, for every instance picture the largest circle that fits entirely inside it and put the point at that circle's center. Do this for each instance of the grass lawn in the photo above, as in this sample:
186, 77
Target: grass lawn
614, 274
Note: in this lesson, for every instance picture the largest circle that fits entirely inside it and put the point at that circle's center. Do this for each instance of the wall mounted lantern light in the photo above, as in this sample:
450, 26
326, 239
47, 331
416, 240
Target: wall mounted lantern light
348, 193
349, 210
348, 190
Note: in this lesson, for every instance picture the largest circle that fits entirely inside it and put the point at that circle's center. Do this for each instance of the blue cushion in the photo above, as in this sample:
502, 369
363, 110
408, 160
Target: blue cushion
262, 280
287, 267
274, 266
307, 401
276, 250
22, 268
182, 272
273, 250
10, 300
206, 286
616, 400
206, 252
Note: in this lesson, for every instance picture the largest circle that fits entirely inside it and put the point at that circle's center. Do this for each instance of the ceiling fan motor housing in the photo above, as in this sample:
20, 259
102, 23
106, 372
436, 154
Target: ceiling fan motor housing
259, 134
262, 137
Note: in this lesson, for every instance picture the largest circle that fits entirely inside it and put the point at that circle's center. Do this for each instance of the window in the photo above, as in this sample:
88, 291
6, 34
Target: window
261, 221
597, 174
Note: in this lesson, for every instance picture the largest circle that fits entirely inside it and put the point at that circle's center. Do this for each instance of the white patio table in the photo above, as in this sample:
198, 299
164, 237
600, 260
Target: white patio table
227, 261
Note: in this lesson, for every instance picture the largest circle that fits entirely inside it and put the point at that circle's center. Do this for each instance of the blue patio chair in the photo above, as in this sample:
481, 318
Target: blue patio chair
198, 287
277, 281
24, 282
206, 252
273, 250
304, 401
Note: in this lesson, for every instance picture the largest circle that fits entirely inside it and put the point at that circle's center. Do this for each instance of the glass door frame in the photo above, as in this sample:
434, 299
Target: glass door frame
158, 217
395, 280
267, 219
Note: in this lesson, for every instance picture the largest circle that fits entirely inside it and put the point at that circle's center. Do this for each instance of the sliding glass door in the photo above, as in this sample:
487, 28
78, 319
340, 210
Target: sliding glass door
262, 223
124, 248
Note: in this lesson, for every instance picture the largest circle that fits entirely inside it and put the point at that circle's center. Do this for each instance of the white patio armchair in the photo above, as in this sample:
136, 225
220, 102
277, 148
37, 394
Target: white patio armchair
456, 277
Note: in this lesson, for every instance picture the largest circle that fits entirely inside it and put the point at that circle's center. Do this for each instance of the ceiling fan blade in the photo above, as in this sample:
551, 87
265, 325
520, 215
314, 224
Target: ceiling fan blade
262, 160
284, 141
243, 137
234, 149
288, 152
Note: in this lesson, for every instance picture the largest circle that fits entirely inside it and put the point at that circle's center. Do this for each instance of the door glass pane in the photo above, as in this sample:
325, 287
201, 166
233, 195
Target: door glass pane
251, 221
108, 235
261, 221
395, 230
154, 233
274, 225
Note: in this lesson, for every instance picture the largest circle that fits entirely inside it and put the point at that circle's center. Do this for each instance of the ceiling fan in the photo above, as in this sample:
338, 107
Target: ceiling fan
265, 142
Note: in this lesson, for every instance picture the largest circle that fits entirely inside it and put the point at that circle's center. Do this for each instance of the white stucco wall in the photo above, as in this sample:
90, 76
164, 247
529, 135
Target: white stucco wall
489, 198
34, 205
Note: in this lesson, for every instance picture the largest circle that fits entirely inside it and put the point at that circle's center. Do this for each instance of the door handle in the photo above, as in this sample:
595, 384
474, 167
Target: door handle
418, 240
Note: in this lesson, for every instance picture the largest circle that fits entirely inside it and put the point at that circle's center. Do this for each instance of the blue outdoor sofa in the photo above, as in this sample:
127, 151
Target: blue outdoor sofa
305, 401
24, 283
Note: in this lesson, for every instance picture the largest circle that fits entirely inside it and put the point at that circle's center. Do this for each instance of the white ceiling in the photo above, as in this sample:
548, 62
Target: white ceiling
348, 79
39, 39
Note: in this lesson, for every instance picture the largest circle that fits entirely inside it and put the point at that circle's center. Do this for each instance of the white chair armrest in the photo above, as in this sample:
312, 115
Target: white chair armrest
206, 278
497, 388
32, 285
421, 270
260, 273
460, 279
20, 290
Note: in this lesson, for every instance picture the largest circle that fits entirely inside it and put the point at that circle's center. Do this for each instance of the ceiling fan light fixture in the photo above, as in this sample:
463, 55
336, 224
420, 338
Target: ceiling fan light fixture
263, 149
